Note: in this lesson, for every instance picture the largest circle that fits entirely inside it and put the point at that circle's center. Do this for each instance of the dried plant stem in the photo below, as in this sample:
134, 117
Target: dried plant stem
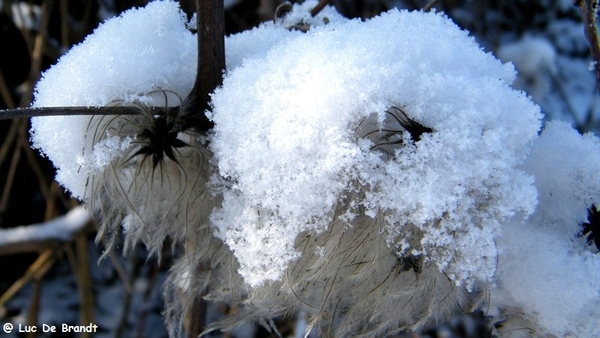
61, 111
5, 93
430, 5
133, 272
8, 141
34, 165
39, 237
588, 12
34, 306
36, 57
319, 7
11, 174
84, 282
211, 63
147, 299
35, 271
64, 24
198, 317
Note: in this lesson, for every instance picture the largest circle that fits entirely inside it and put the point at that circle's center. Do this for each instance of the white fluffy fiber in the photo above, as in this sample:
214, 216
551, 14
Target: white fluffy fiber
126, 58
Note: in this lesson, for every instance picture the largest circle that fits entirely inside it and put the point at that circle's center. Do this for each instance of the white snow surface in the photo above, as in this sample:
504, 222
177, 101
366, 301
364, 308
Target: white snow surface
291, 145
125, 59
544, 268
62, 228
288, 142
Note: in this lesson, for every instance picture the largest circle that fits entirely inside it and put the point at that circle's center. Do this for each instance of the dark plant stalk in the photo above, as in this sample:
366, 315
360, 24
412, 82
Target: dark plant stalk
588, 9
319, 7
430, 5
66, 111
211, 64
209, 75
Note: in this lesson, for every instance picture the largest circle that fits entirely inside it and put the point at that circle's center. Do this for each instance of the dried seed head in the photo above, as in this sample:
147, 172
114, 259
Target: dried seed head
156, 187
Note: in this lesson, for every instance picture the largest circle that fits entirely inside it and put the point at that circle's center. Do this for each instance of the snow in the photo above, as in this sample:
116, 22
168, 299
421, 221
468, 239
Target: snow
299, 145
544, 267
61, 228
288, 143
124, 60
255, 43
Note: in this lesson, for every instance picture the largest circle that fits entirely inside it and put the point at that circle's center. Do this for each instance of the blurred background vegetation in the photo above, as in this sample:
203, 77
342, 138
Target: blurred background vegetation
57, 282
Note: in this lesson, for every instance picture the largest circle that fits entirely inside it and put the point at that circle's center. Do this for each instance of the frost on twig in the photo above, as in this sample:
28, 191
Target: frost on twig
28, 237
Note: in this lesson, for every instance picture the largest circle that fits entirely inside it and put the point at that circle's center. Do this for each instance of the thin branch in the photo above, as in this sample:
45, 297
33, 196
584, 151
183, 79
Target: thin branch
84, 282
35, 271
319, 7
588, 12
11, 137
36, 55
5, 92
12, 170
430, 5
68, 111
31, 237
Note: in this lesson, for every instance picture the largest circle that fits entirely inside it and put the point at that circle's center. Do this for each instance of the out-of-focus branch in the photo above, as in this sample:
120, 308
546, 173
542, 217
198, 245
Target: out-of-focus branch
35, 271
430, 5
319, 7
35, 237
588, 10
58, 111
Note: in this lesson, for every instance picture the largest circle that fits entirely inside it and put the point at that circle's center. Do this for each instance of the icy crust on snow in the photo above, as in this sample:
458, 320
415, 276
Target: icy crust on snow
544, 268
289, 148
126, 58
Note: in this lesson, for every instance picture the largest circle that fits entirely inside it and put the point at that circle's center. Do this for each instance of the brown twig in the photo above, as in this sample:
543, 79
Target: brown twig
35, 271
84, 282
5, 93
64, 24
11, 174
36, 55
319, 7
588, 10
32, 238
211, 64
34, 307
33, 165
430, 5
65, 111
8, 141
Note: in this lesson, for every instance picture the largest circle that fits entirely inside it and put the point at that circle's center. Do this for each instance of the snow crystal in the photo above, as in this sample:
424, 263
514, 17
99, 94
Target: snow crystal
545, 268
291, 141
255, 43
125, 59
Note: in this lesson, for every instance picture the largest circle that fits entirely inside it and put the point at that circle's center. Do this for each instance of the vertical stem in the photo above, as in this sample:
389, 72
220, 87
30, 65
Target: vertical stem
211, 62
588, 12
209, 75
36, 56
86, 297
319, 7
211, 48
